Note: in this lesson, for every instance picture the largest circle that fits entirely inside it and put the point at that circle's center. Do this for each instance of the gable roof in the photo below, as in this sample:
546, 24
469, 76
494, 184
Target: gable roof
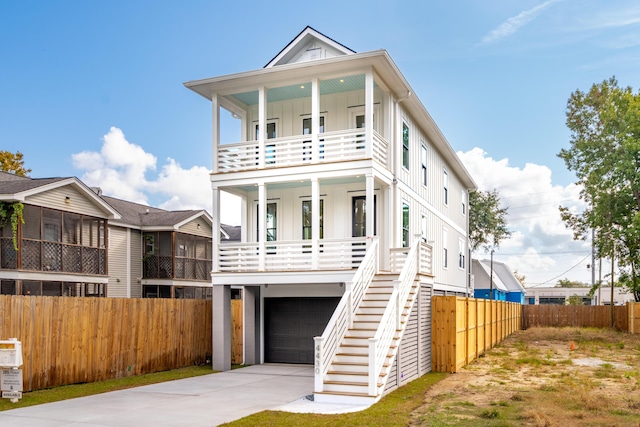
507, 277
17, 189
308, 40
146, 217
482, 272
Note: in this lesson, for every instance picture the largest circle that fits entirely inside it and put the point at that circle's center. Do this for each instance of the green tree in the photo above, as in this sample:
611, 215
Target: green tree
566, 283
487, 220
13, 163
520, 277
605, 156
575, 300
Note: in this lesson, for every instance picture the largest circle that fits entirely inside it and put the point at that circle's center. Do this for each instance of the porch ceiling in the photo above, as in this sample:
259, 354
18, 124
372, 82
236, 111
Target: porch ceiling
303, 90
306, 183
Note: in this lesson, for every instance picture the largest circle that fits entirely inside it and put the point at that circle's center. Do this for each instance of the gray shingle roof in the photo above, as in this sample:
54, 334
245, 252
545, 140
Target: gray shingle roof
143, 215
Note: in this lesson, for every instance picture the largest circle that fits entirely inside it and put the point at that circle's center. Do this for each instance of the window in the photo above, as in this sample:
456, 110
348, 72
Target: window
306, 130
306, 219
272, 222
461, 257
445, 180
405, 145
423, 161
270, 149
464, 202
445, 239
405, 225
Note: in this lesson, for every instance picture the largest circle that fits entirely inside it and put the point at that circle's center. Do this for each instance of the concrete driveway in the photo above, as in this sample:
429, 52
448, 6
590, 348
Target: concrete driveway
207, 400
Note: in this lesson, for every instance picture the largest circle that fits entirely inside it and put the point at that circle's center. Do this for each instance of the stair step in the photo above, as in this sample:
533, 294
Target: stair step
355, 373
342, 393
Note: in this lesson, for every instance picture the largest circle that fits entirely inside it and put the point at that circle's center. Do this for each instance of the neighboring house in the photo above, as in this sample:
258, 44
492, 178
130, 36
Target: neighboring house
155, 253
353, 206
62, 245
482, 286
553, 295
64, 248
506, 287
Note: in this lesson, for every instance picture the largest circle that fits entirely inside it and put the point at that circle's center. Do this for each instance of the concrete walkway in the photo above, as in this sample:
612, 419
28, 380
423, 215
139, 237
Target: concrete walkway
207, 400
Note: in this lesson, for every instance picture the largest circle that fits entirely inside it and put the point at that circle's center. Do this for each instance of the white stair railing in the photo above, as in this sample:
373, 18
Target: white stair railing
326, 346
391, 319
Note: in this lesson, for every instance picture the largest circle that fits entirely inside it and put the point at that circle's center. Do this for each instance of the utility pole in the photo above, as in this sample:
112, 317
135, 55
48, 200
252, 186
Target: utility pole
613, 254
491, 279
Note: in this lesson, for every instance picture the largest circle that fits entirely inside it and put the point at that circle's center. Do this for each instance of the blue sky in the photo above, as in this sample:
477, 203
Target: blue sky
94, 89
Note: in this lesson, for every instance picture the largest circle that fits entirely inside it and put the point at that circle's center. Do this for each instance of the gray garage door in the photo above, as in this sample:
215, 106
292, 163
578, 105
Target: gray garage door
290, 325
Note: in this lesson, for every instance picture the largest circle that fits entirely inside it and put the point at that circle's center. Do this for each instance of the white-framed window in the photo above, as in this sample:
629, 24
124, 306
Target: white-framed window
464, 202
405, 145
445, 186
271, 222
461, 253
307, 219
405, 225
423, 164
445, 250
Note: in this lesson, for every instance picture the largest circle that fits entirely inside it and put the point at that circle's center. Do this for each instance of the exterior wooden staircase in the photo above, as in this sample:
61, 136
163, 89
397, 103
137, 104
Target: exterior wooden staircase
347, 378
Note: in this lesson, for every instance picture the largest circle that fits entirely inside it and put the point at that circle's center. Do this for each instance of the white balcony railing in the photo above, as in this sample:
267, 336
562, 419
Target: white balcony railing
298, 150
325, 346
334, 254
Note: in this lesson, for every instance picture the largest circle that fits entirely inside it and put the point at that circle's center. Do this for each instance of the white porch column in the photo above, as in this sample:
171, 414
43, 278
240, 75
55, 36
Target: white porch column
315, 120
370, 208
215, 238
215, 131
315, 223
368, 112
262, 124
262, 224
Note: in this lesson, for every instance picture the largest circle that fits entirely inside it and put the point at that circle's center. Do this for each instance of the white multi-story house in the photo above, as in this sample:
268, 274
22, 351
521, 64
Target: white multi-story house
354, 211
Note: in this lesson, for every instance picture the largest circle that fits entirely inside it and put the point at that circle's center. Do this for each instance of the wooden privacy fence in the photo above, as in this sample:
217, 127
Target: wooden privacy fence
237, 353
595, 316
633, 311
463, 328
74, 340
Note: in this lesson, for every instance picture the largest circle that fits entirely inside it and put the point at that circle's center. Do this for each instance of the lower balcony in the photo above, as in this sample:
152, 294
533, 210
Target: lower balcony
332, 255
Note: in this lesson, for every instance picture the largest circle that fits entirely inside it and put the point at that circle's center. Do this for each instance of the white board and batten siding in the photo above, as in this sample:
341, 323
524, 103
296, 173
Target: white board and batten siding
337, 109
414, 354
197, 227
57, 199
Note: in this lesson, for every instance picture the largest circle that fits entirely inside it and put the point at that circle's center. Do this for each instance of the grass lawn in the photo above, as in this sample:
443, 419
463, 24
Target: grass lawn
79, 390
392, 410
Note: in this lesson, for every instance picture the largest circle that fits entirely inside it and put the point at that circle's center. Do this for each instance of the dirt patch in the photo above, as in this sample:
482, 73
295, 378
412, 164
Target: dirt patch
543, 377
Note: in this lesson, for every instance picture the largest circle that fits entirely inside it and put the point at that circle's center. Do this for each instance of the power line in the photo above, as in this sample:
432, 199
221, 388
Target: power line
562, 274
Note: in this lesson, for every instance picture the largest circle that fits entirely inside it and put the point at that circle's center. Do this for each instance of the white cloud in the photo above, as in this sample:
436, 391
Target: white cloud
125, 171
513, 24
541, 247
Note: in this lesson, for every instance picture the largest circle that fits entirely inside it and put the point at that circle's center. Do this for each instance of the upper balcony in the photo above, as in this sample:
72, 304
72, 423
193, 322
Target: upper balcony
301, 120
337, 146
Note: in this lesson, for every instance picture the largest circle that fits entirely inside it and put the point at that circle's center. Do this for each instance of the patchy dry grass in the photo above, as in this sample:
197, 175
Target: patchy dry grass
534, 379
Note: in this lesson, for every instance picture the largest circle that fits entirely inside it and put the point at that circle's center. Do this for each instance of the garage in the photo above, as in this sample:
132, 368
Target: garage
290, 325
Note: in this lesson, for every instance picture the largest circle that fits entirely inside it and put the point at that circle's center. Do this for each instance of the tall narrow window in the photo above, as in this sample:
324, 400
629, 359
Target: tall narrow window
423, 162
445, 251
405, 225
461, 260
272, 222
464, 202
445, 180
306, 219
270, 149
405, 145
306, 130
